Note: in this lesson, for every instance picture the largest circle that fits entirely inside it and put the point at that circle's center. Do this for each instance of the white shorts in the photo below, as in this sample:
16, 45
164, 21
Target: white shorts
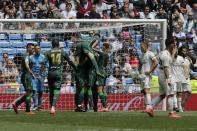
178, 87
164, 88
187, 86
146, 82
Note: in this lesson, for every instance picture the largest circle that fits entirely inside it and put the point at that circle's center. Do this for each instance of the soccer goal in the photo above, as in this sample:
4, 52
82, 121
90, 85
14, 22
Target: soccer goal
122, 36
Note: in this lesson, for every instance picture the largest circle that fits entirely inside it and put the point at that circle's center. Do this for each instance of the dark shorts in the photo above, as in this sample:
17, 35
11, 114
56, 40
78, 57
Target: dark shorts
26, 80
86, 77
54, 79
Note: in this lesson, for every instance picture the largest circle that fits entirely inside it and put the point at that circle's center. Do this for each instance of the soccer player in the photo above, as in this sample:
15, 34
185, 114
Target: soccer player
55, 58
186, 85
178, 77
165, 76
149, 63
87, 70
37, 61
26, 79
102, 60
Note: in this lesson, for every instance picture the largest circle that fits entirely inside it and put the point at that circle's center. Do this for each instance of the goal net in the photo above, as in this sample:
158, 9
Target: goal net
122, 36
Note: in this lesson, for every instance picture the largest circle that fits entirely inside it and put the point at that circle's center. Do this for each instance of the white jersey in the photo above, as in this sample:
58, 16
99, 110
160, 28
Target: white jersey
165, 60
147, 61
187, 66
177, 69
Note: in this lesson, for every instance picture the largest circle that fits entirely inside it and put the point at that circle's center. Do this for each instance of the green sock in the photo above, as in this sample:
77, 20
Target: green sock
102, 97
55, 97
105, 97
81, 96
28, 103
90, 97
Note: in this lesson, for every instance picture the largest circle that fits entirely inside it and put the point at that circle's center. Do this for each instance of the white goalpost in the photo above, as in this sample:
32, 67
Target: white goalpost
123, 35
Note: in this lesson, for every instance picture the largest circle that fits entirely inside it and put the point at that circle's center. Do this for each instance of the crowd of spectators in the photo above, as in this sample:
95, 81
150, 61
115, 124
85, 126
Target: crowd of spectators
125, 55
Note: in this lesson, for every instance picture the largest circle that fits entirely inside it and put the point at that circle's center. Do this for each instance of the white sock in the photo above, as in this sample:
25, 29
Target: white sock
175, 101
148, 100
53, 108
170, 104
156, 101
179, 99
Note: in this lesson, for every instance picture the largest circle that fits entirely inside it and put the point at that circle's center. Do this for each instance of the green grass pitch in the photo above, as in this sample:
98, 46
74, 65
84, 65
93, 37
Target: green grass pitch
91, 121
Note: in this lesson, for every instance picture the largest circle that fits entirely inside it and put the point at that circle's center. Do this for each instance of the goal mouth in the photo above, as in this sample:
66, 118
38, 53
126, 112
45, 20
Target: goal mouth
123, 37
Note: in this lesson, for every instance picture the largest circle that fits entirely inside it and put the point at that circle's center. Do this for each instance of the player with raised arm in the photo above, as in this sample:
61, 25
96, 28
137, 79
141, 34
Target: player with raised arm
26, 79
87, 70
149, 63
166, 87
55, 58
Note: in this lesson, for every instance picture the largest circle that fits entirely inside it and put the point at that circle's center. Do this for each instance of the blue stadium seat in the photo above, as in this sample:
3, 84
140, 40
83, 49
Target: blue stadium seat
194, 73
3, 37
18, 44
22, 51
28, 37
5, 44
15, 37
129, 81
45, 44
34, 42
69, 44
45, 49
138, 39
156, 47
9, 51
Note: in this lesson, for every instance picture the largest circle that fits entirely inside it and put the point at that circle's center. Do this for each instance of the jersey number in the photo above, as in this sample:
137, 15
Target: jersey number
56, 58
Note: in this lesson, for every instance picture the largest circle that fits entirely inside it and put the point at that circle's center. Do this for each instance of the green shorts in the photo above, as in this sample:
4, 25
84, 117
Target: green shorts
54, 80
26, 80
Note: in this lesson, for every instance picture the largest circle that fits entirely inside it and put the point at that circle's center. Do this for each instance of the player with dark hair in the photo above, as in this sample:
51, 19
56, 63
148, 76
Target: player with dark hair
26, 79
102, 60
186, 85
166, 85
56, 57
87, 70
37, 61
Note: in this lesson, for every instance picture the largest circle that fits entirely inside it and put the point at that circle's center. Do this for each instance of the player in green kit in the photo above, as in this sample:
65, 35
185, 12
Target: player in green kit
87, 70
55, 58
102, 60
26, 79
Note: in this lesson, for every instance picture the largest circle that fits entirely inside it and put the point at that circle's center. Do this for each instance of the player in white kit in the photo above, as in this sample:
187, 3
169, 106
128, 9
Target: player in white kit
166, 87
178, 77
186, 85
149, 63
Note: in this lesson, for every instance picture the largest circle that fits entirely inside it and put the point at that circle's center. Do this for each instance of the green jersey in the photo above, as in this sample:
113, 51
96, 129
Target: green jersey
56, 57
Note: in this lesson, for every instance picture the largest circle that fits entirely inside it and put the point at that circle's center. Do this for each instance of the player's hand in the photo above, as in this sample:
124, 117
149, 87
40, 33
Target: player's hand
169, 82
34, 77
101, 75
40, 77
147, 73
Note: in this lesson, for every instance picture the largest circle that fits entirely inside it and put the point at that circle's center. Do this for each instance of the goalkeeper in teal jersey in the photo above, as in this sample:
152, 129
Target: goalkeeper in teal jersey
102, 60
26, 79
55, 58
87, 70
